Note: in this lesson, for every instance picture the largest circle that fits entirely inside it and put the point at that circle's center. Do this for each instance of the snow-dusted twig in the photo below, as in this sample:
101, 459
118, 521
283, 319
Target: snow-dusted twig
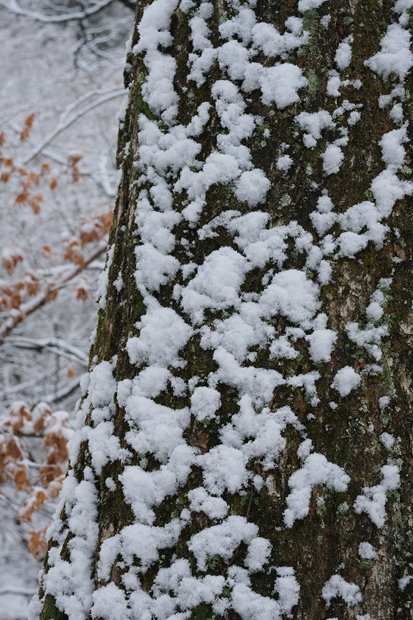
63, 392
49, 293
72, 114
57, 345
14, 7
99, 179
14, 590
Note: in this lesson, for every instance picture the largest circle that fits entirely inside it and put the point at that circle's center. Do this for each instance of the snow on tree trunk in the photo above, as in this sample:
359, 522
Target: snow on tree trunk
244, 438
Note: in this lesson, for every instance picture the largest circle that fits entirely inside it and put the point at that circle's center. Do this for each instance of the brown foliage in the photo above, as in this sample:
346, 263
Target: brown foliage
40, 483
27, 127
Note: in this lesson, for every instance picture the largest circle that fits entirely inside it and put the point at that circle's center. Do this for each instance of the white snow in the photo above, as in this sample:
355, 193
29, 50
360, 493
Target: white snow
252, 187
205, 402
258, 553
404, 581
213, 507
314, 471
215, 284
163, 333
367, 551
332, 158
284, 163
395, 56
70, 581
338, 587
280, 316
308, 5
343, 53
321, 340
280, 84
313, 124
221, 540
346, 380
393, 151
223, 469
387, 440
373, 501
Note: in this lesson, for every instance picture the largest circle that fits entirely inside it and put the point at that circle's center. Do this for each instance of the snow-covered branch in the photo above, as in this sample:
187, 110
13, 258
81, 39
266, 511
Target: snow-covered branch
72, 113
14, 7
45, 296
57, 345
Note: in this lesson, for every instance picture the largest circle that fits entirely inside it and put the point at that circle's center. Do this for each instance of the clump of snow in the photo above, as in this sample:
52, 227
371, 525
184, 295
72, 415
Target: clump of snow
315, 470
308, 5
163, 333
332, 158
404, 581
373, 501
221, 540
293, 295
374, 310
387, 440
205, 402
223, 469
384, 402
338, 587
280, 84
215, 284
70, 580
367, 551
368, 339
102, 385
252, 187
324, 218
268, 39
213, 507
109, 603
158, 89
333, 85
252, 606
395, 56
313, 124
321, 340
103, 279
393, 151
284, 163
258, 553
346, 380
343, 53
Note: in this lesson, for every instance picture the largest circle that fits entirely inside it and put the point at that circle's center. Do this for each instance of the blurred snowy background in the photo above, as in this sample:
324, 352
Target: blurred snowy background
61, 97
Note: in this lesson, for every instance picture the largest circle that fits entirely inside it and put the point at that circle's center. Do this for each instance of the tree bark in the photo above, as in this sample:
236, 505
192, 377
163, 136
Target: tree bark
303, 440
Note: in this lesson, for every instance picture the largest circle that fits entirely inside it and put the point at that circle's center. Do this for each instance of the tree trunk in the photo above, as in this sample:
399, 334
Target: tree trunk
245, 446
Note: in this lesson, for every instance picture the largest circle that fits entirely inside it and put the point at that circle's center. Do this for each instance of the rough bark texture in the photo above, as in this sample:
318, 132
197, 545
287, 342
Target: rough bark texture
326, 541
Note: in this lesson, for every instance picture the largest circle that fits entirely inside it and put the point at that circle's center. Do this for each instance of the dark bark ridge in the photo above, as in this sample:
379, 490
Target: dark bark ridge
244, 439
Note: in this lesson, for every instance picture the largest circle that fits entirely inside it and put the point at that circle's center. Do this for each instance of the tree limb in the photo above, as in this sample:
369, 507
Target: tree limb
57, 345
14, 7
129, 4
67, 119
40, 300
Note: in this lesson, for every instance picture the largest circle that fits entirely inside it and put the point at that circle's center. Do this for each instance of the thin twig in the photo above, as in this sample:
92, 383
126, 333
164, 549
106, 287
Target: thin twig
40, 300
15, 8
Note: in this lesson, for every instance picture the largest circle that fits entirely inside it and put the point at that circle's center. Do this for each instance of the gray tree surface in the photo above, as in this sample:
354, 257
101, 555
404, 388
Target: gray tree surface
244, 438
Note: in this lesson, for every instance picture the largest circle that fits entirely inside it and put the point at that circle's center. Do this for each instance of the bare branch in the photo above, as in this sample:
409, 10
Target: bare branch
14, 590
101, 180
71, 115
129, 4
63, 392
40, 300
14, 7
58, 346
